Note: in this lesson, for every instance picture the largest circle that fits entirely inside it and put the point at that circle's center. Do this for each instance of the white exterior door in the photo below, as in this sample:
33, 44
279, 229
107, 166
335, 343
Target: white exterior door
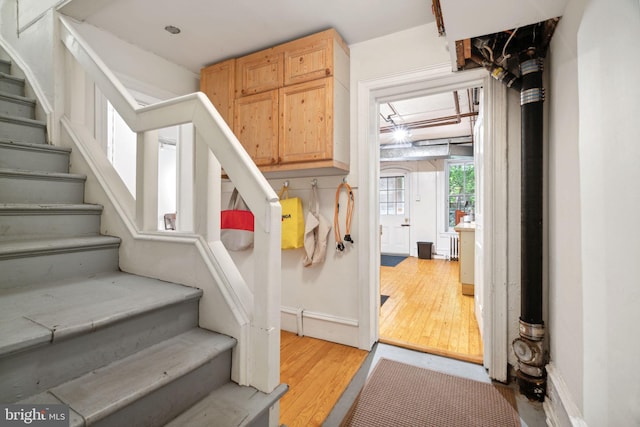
395, 225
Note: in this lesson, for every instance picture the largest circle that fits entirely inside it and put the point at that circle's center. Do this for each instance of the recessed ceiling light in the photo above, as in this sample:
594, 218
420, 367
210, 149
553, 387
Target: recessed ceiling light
171, 29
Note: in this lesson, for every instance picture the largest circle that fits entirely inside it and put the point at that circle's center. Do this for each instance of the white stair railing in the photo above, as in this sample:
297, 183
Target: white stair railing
257, 312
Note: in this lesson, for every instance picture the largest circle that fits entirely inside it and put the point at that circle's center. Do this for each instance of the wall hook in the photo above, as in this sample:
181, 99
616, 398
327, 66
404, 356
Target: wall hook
314, 182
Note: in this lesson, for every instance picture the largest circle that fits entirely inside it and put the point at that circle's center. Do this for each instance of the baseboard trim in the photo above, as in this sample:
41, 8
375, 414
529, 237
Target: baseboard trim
559, 407
319, 325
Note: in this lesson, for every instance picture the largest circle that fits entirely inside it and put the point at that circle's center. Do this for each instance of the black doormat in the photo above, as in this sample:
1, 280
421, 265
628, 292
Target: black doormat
383, 299
391, 260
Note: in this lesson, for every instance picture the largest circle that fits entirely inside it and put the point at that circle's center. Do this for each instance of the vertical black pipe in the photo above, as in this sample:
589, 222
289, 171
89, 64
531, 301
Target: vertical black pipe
529, 348
532, 98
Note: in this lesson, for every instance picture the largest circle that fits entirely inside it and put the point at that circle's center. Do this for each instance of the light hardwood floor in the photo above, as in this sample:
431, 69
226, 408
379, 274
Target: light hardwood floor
317, 372
426, 310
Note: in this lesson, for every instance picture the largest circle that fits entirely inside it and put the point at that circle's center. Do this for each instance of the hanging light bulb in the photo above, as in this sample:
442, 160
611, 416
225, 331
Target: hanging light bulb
401, 134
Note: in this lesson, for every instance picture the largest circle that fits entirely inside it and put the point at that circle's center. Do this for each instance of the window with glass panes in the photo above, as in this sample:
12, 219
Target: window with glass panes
462, 189
392, 195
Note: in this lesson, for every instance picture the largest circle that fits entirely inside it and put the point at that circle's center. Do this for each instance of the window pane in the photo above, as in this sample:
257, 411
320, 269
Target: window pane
469, 179
400, 182
383, 183
391, 196
456, 179
400, 209
383, 197
399, 195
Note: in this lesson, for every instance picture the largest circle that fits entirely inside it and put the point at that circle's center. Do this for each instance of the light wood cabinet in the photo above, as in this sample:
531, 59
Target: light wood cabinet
291, 108
306, 121
218, 83
314, 57
259, 72
256, 126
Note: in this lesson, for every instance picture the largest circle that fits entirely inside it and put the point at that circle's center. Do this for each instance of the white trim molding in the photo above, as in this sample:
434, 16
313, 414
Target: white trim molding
427, 81
323, 326
559, 407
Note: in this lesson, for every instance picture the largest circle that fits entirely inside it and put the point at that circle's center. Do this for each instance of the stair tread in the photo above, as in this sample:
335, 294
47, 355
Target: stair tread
229, 405
43, 245
38, 174
47, 398
19, 98
108, 389
42, 313
7, 208
11, 77
33, 145
32, 122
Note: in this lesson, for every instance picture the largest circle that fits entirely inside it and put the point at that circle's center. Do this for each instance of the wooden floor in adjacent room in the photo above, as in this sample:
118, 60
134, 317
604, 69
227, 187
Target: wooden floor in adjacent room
426, 310
317, 372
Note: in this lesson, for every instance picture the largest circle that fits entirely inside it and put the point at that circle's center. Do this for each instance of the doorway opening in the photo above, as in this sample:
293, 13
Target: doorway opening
426, 181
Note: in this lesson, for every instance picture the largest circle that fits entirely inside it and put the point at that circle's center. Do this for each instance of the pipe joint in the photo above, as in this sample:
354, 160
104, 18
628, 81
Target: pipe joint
532, 331
529, 96
534, 65
529, 352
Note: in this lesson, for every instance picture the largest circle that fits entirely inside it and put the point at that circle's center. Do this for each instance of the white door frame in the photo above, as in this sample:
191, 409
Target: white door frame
428, 81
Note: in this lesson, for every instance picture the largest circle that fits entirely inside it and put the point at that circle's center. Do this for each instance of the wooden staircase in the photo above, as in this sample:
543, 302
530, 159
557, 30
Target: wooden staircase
118, 349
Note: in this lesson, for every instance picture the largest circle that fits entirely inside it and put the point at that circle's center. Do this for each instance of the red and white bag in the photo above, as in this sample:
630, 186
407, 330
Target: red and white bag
236, 224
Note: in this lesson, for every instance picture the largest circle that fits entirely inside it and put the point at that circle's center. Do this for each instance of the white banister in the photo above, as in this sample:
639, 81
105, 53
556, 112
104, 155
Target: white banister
257, 355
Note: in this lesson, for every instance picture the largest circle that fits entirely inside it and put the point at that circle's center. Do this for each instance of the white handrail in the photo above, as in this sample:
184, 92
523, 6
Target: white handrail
262, 356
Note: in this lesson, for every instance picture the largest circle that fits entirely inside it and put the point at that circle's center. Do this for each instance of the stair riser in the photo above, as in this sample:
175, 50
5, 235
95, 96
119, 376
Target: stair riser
33, 371
20, 225
161, 406
19, 189
14, 87
5, 67
18, 157
48, 267
17, 108
18, 131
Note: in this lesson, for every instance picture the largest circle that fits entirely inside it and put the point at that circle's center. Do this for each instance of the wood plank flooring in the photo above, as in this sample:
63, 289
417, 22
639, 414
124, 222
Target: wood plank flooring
317, 372
426, 310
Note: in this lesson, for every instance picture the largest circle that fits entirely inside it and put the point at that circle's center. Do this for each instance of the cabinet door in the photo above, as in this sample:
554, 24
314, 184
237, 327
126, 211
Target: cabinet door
306, 121
308, 59
259, 72
218, 83
256, 126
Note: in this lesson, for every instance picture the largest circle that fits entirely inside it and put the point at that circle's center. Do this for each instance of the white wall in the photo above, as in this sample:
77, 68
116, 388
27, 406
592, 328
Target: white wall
35, 46
593, 253
565, 258
29, 11
326, 293
609, 199
138, 69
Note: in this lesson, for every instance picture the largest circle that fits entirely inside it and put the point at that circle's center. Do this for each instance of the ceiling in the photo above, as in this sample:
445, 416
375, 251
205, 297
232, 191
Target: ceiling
429, 118
215, 30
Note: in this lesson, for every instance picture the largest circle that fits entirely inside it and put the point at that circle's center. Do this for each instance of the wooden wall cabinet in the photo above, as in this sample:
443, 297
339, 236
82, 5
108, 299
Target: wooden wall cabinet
259, 72
291, 110
306, 121
256, 126
218, 83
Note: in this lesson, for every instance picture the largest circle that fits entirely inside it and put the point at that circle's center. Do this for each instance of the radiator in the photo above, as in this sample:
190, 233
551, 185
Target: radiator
454, 247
